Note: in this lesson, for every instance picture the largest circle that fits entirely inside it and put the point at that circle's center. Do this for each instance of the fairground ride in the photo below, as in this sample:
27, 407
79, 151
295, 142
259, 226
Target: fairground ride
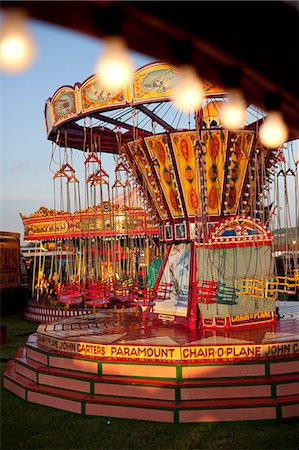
212, 192
98, 245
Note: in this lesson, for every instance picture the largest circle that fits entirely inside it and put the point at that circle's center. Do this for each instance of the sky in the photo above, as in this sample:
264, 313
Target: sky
64, 58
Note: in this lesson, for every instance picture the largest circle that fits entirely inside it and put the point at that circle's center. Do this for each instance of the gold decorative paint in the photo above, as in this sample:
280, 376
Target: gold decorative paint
159, 152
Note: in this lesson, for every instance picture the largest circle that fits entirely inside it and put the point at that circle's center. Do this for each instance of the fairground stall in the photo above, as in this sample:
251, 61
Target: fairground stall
207, 344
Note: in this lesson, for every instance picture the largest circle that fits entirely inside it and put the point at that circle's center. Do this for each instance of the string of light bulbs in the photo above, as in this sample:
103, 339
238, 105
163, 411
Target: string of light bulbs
114, 67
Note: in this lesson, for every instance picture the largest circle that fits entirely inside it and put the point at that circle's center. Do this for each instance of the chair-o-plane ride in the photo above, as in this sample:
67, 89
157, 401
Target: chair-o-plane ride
83, 259
206, 344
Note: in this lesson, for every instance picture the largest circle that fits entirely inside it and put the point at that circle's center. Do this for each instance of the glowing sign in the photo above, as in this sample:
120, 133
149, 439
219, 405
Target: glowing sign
168, 353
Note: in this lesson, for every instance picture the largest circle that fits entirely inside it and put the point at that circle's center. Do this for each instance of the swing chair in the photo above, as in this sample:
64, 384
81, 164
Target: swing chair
97, 295
125, 294
226, 294
39, 282
256, 288
295, 274
143, 298
287, 282
163, 292
70, 294
206, 292
67, 288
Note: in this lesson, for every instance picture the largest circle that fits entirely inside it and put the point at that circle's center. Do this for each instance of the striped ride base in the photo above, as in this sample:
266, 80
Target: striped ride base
40, 312
111, 364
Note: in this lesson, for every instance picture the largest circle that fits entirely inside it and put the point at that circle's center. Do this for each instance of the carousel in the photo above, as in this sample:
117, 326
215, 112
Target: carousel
207, 340
71, 256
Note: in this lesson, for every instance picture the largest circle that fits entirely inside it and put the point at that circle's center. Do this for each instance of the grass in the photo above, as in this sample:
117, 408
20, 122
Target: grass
30, 426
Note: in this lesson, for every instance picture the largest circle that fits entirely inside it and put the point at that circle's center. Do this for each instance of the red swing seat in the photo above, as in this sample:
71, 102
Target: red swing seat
97, 295
70, 294
206, 292
163, 292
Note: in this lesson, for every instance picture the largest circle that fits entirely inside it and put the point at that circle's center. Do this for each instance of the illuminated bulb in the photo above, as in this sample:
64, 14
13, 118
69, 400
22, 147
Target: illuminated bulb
273, 132
233, 111
17, 46
115, 66
188, 91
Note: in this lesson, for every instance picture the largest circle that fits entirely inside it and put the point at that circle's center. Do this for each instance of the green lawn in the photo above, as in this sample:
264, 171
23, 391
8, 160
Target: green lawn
30, 426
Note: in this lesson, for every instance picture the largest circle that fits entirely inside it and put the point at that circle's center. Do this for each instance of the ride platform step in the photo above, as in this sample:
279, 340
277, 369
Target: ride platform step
212, 410
80, 386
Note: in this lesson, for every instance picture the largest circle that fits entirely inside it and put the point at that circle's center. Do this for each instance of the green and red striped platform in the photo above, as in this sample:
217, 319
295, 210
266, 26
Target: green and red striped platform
111, 365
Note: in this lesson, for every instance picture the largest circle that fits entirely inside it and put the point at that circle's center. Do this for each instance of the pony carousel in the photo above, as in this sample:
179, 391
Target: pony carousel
203, 342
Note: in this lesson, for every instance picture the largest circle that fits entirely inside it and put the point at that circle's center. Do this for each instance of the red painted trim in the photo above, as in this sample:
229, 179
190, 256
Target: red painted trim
143, 233
192, 306
230, 326
219, 241
178, 320
236, 244
162, 268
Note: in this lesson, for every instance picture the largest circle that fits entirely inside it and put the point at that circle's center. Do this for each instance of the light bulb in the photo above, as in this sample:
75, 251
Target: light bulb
273, 132
188, 91
17, 46
233, 112
115, 67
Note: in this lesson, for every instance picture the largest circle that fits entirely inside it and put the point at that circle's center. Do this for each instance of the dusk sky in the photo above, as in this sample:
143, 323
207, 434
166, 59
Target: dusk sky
64, 58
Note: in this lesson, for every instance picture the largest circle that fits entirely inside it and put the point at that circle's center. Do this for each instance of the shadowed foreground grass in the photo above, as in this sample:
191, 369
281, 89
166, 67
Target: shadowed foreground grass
30, 426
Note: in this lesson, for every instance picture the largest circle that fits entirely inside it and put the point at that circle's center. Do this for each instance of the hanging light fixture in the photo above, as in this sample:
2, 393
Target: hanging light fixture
233, 112
17, 46
273, 132
188, 91
114, 67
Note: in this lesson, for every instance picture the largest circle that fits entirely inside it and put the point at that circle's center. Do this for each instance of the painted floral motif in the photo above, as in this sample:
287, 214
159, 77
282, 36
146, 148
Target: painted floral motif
159, 151
212, 198
214, 147
189, 173
184, 148
167, 176
213, 173
173, 200
194, 199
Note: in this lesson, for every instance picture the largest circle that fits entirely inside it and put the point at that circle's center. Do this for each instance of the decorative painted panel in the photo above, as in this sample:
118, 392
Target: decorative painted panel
63, 104
154, 81
183, 147
94, 96
159, 152
239, 231
48, 117
241, 143
50, 224
215, 142
140, 158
